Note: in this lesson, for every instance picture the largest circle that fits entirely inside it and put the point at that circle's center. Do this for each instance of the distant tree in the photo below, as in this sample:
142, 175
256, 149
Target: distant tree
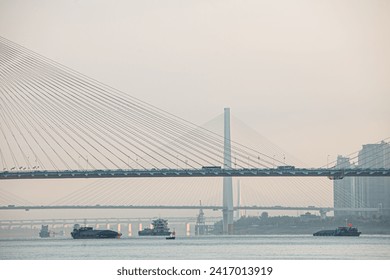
264, 215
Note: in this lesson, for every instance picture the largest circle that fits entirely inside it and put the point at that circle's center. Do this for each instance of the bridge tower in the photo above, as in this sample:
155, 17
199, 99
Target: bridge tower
227, 181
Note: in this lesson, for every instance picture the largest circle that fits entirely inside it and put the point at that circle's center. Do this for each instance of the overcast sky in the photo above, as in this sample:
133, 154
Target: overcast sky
311, 76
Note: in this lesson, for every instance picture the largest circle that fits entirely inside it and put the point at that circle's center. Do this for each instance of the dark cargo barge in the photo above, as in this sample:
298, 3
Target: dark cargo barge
340, 231
90, 233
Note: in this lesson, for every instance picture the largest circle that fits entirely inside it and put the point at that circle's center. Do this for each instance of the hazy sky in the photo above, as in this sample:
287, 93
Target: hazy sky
311, 76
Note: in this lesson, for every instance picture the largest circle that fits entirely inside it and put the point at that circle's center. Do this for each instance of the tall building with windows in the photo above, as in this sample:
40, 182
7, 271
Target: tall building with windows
375, 191
344, 190
364, 192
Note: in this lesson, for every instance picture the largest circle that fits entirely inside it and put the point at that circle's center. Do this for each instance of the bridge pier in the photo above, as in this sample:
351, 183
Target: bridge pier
227, 181
129, 231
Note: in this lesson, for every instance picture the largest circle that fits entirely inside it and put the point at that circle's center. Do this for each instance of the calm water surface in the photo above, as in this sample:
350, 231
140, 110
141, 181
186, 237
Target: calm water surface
208, 247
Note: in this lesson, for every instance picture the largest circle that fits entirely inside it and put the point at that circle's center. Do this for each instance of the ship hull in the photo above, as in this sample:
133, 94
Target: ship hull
333, 233
341, 231
142, 233
95, 234
44, 235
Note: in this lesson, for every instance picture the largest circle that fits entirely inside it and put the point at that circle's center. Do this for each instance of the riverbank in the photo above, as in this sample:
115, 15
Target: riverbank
252, 225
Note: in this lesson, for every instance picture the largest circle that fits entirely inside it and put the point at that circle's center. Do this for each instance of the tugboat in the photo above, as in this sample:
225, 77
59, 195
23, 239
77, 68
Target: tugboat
90, 233
172, 236
160, 228
340, 231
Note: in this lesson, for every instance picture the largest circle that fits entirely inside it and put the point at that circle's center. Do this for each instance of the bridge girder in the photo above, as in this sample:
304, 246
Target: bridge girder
161, 173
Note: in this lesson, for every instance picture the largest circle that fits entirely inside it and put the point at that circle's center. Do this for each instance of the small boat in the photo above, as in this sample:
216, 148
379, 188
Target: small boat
340, 231
172, 236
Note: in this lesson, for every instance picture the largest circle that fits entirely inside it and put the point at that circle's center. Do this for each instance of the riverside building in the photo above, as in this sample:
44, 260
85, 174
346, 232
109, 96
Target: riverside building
364, 192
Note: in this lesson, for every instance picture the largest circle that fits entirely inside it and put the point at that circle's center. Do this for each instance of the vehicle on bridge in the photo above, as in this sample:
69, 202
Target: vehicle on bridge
286, 167
211, 167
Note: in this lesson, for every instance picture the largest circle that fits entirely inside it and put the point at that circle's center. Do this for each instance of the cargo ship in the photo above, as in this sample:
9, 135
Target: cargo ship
159, 228
340, 231
90, 233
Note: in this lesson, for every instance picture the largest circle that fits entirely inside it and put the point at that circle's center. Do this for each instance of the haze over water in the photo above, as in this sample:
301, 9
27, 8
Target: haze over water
305, 247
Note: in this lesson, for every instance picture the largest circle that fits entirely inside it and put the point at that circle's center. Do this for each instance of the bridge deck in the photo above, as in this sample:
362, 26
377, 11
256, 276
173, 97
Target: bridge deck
209, 207
158, 173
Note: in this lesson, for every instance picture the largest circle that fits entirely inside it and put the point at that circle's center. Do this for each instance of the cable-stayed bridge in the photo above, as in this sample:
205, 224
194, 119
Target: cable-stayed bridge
56, 123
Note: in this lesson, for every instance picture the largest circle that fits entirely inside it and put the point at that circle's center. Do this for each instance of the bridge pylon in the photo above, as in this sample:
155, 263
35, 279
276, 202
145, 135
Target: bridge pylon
227, 181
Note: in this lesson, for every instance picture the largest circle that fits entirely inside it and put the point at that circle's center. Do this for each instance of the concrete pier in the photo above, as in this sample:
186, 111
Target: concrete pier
227, 181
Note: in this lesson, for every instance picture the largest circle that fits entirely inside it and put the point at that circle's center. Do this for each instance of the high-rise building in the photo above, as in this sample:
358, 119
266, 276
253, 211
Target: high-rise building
364, 192
375, 191
344, 190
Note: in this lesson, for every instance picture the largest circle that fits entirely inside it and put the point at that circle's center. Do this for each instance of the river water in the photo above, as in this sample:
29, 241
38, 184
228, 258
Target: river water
300, 247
